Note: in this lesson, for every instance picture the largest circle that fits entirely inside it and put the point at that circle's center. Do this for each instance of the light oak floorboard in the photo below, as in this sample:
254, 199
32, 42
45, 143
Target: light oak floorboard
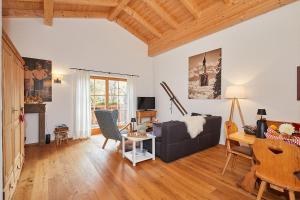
82, 170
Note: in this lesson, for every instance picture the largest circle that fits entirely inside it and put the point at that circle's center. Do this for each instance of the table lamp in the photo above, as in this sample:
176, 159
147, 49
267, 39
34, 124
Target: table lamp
261, 124
261, 112
235, 92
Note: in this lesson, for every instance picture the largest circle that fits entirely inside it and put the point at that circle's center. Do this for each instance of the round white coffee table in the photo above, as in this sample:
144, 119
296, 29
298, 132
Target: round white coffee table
133, 156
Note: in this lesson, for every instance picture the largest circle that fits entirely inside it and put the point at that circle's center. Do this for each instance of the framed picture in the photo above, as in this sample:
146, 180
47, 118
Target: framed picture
38, 79
205, 75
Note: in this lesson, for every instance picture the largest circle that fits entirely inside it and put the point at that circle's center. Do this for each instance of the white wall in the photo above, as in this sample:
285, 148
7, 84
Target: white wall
84, 43
261, 54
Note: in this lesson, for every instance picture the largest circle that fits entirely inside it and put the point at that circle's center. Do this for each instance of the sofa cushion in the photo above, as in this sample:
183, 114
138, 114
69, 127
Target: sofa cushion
176, 131
157, 129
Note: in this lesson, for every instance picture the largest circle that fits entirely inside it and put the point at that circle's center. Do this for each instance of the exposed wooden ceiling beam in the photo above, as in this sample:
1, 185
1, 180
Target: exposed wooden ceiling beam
48, 12
116, 11
132, 31
106, 3
22, 13
224, 17
143, 22
162, 13
57, 14
80, 14
191, 8
22, 5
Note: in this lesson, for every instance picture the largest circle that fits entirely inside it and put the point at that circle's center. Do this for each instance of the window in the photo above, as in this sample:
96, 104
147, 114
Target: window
108, 94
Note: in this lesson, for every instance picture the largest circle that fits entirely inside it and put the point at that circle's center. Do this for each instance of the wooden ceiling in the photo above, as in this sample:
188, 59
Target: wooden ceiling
161, 24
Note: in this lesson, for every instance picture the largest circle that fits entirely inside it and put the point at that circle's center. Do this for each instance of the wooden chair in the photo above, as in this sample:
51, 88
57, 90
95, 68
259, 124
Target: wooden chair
234, 148
278, 163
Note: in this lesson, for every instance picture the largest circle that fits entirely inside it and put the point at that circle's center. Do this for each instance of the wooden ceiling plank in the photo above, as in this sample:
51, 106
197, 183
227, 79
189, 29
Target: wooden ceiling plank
142, 21
57, 14
22, 5
22, 13
162, 13
228, 16
105, 3
48, 12
79, 14
227, 1
191, 8
132, 31
116, 11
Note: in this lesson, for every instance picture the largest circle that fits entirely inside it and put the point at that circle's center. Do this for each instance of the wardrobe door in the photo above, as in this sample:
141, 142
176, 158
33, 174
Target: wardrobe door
16, 114
7, 132
22, 127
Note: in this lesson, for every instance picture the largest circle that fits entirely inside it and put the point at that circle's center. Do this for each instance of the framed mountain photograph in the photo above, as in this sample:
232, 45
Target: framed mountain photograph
205, 75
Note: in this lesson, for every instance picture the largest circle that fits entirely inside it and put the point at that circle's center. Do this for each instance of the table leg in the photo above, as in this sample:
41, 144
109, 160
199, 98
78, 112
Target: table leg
133, 153
153, 149
123, 147
141, 146
292, 195
261, 190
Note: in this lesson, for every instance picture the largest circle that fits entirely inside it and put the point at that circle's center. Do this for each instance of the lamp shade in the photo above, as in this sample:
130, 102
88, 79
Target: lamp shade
133, 120
261, 112
235, 91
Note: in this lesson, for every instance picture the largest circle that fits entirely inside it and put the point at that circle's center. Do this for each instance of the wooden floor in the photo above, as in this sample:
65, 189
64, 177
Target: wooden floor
82, 170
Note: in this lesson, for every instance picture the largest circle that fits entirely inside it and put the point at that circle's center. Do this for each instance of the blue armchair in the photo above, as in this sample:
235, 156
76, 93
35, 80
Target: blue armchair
107, 121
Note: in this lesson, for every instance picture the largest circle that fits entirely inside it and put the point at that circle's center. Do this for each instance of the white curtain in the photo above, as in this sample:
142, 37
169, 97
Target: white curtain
82, 105
131, 98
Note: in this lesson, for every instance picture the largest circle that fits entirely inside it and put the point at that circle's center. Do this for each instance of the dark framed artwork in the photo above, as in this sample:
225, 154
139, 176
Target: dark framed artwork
205, 75
298, 83
38, 79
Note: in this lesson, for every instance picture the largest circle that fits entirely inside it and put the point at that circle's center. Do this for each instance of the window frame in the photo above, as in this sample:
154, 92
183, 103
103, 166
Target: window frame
106, 79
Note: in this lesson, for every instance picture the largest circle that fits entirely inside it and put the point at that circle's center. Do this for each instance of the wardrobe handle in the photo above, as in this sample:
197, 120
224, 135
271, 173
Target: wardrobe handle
15, 110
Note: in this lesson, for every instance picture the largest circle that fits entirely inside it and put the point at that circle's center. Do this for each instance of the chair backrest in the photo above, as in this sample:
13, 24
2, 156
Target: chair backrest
278, 163
230, 127
107, 121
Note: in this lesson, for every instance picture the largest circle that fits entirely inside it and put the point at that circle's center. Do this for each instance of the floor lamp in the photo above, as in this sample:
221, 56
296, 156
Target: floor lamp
235, 93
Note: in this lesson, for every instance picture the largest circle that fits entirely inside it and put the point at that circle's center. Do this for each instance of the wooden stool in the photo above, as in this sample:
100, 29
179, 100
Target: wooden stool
61, 134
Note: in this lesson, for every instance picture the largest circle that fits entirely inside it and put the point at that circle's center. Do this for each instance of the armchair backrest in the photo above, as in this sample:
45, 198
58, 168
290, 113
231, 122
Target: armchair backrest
107, 121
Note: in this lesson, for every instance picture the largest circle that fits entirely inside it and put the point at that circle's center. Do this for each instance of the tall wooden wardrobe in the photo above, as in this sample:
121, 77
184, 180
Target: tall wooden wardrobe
12, 111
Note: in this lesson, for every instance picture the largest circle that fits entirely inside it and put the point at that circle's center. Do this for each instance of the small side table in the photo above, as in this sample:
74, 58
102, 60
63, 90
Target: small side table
132, 155
140, 114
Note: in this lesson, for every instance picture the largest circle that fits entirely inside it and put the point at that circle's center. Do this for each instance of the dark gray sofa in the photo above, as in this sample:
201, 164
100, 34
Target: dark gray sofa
175, 142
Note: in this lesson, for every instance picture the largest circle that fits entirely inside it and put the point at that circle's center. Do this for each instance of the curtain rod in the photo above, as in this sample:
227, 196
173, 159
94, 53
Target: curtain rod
104, 72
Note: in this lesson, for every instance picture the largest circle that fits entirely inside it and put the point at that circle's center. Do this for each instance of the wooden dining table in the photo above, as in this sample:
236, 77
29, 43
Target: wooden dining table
248, 181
